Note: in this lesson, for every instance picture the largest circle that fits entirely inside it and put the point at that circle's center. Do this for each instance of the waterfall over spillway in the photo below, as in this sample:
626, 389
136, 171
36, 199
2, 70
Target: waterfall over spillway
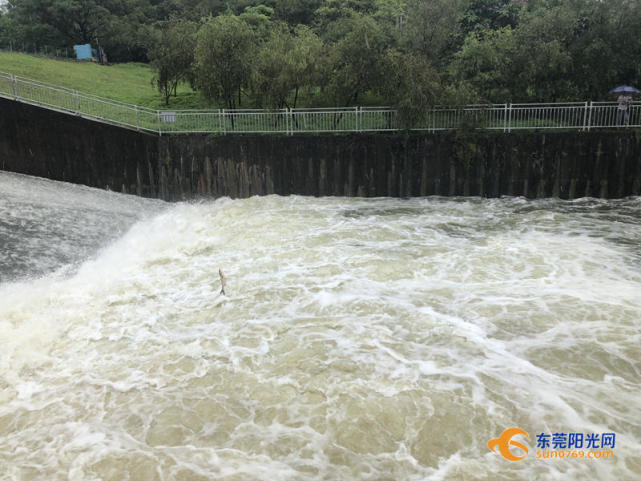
358, 338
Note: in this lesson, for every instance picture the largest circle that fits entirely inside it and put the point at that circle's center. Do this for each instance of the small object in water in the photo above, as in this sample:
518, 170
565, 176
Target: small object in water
223, 281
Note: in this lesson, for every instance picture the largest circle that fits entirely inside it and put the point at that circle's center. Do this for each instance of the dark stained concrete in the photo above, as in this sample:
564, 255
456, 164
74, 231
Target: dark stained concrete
58, 146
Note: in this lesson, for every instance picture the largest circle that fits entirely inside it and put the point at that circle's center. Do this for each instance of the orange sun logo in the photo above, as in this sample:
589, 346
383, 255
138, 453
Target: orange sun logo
504, 441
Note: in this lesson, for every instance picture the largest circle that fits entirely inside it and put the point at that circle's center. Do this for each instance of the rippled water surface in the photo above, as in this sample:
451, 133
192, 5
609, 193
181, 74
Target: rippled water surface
360, 339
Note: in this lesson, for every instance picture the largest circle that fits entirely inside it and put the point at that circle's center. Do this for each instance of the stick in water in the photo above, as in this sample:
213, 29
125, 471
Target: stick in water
223, 281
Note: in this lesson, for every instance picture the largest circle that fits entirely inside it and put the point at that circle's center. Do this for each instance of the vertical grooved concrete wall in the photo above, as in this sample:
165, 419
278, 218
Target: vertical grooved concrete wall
57, 146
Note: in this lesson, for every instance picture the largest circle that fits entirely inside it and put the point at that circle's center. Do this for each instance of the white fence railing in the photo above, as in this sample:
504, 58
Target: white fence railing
498, 117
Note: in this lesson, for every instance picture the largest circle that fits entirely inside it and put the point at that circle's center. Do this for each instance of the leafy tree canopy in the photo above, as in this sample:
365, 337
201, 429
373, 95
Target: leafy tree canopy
281, 53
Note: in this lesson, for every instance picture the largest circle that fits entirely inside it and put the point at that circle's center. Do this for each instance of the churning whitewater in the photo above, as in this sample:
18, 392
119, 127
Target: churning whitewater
359, 339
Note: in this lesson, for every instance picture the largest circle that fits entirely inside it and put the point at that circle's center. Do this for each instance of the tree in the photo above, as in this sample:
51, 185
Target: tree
296, 12
412, 86
484, 66
224, 51
605, 45
120, 25
125, 32
334, 19
172, 55
480, 15
308, 58
392, 15
77, 20
285, 64
5, 27
542, 64
260, 19
356, 61
433, 29
29, 23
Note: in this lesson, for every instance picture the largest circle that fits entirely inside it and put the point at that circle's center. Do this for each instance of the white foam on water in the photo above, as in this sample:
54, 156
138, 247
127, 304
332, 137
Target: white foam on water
360, 339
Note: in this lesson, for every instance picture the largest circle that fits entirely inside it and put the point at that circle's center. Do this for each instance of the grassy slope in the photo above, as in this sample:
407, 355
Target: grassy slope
128, 82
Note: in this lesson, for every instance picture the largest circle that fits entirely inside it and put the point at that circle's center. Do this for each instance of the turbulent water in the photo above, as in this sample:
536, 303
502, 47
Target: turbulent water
360, 339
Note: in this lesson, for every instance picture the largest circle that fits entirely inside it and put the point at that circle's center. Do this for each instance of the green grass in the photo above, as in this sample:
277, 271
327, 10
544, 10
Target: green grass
127, 82
130, 82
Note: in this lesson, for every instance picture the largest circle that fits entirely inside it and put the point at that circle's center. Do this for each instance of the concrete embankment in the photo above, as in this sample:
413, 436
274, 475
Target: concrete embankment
58, 146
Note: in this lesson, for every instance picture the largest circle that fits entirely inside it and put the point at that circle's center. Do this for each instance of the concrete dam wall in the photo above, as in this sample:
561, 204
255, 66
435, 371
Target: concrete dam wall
59, 146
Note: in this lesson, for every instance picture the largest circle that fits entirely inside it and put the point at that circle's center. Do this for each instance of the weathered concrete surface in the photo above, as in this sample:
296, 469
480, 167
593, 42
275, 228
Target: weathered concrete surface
40, 142
58, 146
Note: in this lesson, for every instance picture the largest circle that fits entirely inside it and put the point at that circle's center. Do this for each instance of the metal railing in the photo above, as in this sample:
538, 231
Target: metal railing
497, 117
11, 46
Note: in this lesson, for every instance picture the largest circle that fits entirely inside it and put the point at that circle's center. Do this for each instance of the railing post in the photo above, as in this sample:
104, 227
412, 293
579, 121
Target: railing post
292, 124
505, 118
158, 118
358, 118
585, 116
287, 121
137, 123
509, 119
590, 116
14, 86
223, 123
76, 102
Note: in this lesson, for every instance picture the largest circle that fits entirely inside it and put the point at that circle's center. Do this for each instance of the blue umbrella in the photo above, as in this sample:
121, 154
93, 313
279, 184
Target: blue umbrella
625, 89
